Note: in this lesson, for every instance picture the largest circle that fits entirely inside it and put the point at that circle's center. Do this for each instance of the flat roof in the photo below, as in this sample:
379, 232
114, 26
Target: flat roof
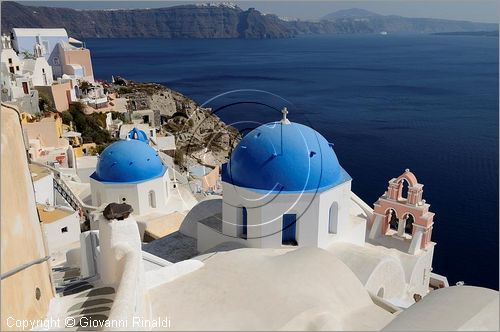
87, 161
48, 217
38, 172
166, 143
173, 248
158, 227
28, 32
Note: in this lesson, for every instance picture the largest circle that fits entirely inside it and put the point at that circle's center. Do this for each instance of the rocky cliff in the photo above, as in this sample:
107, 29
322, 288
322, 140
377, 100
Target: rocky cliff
201, 137
187, 21
216, 21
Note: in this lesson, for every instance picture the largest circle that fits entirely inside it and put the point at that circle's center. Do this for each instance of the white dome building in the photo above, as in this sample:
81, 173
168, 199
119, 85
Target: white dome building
284, 186
130, 171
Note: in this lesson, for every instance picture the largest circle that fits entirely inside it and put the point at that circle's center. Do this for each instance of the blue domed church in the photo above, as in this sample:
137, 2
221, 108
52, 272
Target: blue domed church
284, 186
130, 171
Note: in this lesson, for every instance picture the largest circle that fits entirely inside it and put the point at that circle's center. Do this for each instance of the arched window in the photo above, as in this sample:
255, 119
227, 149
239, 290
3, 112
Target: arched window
404, 185
152, 199
392, 219
409, 220
333, 218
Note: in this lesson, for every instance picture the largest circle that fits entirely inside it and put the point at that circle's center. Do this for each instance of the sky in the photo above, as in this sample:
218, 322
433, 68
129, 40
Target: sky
470, 10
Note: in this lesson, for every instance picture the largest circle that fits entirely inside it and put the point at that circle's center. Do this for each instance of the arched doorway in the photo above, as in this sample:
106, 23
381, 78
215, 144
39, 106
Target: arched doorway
289, 229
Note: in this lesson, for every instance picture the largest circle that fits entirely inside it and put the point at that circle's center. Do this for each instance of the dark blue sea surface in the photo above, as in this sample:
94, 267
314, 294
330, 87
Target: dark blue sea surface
424, 102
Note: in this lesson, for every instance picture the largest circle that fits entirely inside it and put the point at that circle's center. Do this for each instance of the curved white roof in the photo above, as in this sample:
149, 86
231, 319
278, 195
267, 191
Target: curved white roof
268, 289
451, 309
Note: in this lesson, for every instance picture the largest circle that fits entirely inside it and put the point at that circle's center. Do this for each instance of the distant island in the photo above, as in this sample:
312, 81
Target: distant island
218, 21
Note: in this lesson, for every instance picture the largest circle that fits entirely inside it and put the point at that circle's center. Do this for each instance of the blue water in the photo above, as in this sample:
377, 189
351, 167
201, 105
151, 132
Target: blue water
428, 103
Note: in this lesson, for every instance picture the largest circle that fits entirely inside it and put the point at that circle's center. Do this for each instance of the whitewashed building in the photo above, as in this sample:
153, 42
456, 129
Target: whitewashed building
284, 186
130, 171
39, 70
16, 84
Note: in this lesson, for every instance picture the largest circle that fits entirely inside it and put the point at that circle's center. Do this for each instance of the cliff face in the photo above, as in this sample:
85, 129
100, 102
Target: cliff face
333, 24
187, 21
216, 21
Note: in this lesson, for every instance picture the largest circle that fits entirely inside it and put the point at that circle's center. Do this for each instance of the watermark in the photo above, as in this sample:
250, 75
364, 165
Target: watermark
96, 321
30, 324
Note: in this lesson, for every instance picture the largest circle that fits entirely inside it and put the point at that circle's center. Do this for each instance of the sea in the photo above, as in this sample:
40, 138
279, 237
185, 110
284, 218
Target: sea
387, 102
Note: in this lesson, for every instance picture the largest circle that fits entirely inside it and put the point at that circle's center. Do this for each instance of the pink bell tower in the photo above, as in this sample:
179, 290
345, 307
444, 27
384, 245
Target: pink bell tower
411, 213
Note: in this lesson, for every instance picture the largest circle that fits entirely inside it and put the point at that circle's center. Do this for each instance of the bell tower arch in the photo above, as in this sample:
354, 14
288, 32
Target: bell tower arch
412, 213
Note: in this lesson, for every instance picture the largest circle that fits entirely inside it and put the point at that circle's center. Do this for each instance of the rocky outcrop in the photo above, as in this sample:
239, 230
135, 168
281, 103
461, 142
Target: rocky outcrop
201, 136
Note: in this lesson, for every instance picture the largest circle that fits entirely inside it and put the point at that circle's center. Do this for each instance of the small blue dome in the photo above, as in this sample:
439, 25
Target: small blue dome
137, 134
128, 161
284, 157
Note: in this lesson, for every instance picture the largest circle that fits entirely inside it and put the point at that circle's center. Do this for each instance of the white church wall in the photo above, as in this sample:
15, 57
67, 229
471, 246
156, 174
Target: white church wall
204, 209
421, 273
62, 232
160, 195
335, 224
231, 218
44, 189
105, 193
311, 210
304, 206
135, 194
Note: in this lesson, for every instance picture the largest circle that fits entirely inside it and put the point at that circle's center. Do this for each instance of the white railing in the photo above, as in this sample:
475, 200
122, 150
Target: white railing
365, 207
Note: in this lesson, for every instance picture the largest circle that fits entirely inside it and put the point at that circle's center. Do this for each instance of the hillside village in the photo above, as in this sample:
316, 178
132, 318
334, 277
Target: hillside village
54, 79
69, 118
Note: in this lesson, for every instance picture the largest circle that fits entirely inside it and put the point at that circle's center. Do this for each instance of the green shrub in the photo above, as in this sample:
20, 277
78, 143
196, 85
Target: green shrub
84, 85
66, 117
91, 126
44, 104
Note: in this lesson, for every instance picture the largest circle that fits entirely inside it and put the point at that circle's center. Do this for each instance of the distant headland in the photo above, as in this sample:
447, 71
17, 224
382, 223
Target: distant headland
469, 33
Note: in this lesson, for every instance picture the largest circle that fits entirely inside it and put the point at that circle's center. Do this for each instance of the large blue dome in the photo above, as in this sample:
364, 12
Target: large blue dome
284, 157
128, 161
